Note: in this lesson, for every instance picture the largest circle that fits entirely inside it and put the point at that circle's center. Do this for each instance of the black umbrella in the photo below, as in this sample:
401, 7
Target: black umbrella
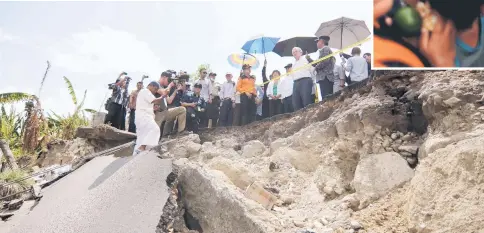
284, 48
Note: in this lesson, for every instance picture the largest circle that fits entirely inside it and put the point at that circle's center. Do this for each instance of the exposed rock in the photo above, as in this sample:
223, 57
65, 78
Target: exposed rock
412, 149
381, 173
253, 149
452, 102
355, 225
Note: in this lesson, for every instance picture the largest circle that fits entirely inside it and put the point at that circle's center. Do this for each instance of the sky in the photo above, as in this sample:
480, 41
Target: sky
91, 43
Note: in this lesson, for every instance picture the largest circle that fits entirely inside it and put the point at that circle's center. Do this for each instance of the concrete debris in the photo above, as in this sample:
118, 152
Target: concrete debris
15, 204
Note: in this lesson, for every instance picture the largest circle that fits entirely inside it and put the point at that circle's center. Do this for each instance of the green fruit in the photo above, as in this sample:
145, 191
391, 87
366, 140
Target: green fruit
408, 20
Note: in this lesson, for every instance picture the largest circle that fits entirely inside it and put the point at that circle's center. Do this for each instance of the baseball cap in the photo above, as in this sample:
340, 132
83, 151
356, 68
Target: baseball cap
325, 38
228, 73
198, 85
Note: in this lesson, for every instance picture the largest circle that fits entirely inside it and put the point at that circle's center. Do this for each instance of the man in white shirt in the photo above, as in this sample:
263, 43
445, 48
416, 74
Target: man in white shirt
227, 97
285, 89
356, 65
148, 131
303, 83
213, 103
205, 94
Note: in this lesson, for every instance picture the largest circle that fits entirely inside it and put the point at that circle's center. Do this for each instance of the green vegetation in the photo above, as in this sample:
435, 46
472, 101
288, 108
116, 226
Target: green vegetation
27, 132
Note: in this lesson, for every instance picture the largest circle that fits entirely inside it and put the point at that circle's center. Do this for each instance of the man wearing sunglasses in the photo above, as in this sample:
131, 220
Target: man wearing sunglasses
205, 94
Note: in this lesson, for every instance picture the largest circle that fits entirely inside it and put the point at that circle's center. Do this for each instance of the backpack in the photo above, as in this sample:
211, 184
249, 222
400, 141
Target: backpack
106, 105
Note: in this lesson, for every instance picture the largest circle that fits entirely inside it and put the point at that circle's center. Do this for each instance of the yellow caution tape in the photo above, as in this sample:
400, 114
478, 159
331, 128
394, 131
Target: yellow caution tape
320, 59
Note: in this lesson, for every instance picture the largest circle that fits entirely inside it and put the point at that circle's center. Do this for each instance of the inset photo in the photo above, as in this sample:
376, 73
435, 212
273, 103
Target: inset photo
443, 34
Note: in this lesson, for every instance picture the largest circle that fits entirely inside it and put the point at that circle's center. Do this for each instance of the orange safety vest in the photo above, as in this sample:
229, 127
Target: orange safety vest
388, 51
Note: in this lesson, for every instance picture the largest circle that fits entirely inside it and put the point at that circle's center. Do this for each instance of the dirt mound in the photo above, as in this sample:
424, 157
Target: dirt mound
400, 154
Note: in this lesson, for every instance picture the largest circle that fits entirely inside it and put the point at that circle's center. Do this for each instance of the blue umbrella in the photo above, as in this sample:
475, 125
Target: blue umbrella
260, 44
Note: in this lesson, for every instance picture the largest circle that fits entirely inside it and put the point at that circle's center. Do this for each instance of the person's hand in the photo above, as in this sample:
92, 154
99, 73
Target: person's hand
209, 101
439, 46
156, 107
307, 56
249, 95
342, 83
180, 87
278, 96
172, 84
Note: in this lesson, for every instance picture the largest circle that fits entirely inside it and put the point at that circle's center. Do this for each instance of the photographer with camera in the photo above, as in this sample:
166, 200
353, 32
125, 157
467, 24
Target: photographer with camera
195, 106
167, 112
117, 104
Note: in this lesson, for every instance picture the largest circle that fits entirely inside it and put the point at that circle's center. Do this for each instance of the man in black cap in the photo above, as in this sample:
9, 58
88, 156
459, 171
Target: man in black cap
167, 113
285, 89
118, 102
195, 106
324, 69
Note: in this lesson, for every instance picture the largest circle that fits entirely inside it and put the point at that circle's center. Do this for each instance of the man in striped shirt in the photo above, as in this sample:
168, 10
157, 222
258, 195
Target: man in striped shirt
119, 100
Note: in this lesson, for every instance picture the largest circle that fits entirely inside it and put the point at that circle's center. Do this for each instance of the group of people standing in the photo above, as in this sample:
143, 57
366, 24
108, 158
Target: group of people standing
174, 107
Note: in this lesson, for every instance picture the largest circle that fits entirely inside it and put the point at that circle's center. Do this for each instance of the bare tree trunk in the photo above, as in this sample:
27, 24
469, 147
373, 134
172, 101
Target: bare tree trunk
1, 164
8, 154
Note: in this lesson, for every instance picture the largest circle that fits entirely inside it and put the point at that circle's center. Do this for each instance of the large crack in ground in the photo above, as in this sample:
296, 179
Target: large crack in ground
315, 161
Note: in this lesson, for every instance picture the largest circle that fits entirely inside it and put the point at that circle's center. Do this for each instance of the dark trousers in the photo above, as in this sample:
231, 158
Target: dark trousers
247, 108
132, 126
203, 119
115, 113
193, 119
326, 87
122, 121
287, 105
226, 113
275, 107
301, 93
213, 112
237, 115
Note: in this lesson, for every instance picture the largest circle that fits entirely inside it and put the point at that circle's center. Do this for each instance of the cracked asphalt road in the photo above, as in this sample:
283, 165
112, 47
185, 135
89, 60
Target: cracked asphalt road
105, 195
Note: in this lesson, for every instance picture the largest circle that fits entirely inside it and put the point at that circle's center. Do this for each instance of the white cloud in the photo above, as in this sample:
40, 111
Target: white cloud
4, 36
105, 50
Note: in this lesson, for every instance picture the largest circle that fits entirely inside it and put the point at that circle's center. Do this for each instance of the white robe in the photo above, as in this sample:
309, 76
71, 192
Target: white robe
147, 131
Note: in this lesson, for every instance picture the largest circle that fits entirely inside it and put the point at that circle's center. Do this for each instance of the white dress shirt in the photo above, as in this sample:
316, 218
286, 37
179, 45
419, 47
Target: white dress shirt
227, 90
285, 86
301, 73
206, 88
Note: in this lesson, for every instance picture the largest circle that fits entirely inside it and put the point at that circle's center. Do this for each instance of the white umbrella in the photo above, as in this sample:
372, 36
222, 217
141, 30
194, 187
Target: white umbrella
343, 31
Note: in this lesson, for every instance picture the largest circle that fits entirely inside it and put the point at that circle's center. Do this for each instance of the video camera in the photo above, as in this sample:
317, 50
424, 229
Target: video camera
182, 77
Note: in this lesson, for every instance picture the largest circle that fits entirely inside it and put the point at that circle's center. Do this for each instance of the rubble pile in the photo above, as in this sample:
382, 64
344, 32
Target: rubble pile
402, 154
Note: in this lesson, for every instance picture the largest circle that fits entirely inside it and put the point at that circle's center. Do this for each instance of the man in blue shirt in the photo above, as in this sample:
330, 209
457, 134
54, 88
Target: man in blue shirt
195, 106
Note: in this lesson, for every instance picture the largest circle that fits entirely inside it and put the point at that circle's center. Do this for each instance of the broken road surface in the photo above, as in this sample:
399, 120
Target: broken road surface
106, 195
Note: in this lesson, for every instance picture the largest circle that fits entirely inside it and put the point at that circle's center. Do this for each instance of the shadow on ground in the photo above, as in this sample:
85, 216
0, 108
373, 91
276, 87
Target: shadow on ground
110, 170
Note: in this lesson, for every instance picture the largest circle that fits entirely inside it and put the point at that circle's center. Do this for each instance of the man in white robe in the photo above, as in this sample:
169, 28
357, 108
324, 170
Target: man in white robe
147, 131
